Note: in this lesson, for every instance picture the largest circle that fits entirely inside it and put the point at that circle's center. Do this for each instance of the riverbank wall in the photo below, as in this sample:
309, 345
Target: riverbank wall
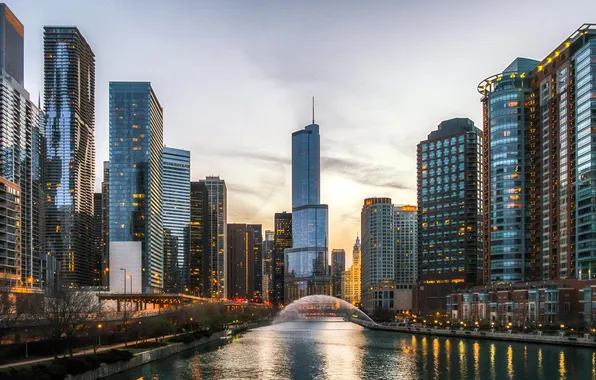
586, 341
142, 358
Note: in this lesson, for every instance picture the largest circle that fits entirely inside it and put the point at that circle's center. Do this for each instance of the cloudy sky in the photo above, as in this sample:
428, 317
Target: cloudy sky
236, 78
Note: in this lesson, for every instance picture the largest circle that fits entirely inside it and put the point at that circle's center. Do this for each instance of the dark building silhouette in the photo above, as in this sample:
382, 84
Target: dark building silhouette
97, 238
199, 239
338, 266
281, 242
258, 262
241, 262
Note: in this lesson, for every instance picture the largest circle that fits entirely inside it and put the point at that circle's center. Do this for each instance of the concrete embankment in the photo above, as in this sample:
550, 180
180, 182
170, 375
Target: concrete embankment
586, 341
141, 358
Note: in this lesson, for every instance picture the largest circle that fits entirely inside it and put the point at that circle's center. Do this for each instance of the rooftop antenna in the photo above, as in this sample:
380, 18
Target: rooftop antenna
313, 109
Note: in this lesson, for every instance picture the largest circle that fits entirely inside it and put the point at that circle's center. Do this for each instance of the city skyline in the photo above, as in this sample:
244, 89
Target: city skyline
349, 95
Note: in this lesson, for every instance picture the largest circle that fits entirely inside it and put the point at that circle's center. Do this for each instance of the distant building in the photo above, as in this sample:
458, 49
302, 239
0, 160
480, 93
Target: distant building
257, 229
69, 165
97, 239
217, 224
176, 218
282, 241
306, 262
11, 234
105, 226
338, 266
268, 266
199, 240
136, 210
241, 262
12, 33
449, 172
351, 289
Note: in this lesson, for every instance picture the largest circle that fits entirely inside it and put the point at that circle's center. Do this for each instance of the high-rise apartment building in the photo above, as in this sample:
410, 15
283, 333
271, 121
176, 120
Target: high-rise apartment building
12, 37
267, 287
406, 246
10, 234
449, 211
257, 229
176, 218
538, 118
241, 262
282, 226
199, 240
136, 209
306, 262
105, 226
338, 267
351, 289
217, 247
69, 167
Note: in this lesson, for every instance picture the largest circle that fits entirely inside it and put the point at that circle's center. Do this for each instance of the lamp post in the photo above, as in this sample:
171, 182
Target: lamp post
99, 334
124, 279
130, 284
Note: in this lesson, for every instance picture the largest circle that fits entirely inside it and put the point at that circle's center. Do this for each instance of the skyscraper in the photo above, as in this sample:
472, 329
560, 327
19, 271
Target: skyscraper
12, 35
241, 262
351, 289
338, 266
105, 226
199, 240
69, 98
136, 141
267, 266
257, 273
97, 239
406, 246
176, 218
10, 235
282, 225
217, 248
306, 262
449, 211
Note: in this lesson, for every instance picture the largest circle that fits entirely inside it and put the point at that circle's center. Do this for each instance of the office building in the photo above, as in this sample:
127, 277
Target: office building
217, 230
176, 218
10, 234
267, 287
199, 240
306, 262
135, 207
69, 167
105, 226
406, 246
12, 36
351, 289
241, 262
97, 239
282, 226
338, 267
449, 176
257, 230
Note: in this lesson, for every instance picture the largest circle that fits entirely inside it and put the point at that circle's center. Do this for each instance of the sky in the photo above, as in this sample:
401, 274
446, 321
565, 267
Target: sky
236, 77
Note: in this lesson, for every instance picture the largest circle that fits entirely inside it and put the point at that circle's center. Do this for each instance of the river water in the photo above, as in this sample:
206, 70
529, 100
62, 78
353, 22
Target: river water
345, 351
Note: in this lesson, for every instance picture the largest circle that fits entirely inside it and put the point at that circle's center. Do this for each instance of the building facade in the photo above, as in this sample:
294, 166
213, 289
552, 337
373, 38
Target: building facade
338, 267
10, 235
268, 266
97, 239
135, 207
105, 226
12, 36
241, 262
176, 219
449, 212
406, 246
217, 247
69, 167
257, 229
306, 262
351, 289
199, 239
282, 224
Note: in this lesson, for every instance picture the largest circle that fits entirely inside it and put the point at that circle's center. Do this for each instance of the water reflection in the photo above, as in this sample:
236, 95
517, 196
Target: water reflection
318, 350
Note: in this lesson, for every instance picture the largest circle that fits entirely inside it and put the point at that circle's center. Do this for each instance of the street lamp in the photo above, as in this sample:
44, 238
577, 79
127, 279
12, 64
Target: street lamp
99, 334
124, 279
130, 276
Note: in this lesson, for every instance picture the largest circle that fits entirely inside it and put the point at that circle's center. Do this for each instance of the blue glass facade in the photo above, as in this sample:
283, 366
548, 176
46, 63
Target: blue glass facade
306, 262
135, 209
176, 218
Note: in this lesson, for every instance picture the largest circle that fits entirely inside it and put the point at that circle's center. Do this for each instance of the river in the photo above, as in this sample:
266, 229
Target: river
345, 351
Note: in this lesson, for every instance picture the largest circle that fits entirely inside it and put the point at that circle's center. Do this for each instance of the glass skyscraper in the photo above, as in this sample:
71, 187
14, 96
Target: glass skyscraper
267, 251
176, 218
282, 240
217, 231
12, 50
136, 141
69, 168
199, 240
306, 262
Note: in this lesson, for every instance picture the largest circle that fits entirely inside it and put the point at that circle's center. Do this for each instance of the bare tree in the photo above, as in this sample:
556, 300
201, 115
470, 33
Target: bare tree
67, 311
126, 318
9, 316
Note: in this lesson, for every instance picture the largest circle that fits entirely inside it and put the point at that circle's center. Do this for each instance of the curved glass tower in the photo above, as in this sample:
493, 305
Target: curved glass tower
306, 262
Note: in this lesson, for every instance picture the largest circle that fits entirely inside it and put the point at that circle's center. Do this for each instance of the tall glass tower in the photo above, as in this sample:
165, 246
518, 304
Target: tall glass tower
306, 262
136, 141
217, 211
176, 218
69, 169
199, 239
